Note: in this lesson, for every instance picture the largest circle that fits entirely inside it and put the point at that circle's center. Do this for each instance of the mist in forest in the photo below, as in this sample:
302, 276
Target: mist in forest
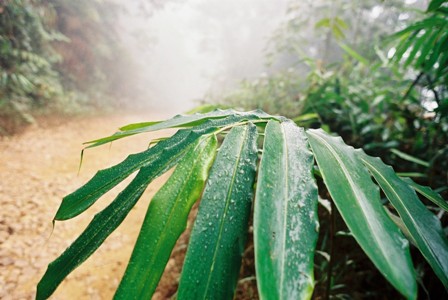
185, 49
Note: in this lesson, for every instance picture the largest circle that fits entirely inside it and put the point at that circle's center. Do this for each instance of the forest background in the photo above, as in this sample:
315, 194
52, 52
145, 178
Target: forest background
375, 72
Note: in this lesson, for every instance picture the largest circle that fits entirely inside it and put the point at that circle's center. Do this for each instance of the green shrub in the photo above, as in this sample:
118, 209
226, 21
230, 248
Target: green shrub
424, 46
285, 220
28, 80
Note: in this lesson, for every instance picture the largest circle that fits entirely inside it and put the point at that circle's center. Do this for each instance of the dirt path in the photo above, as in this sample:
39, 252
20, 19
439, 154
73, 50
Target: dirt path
38, 168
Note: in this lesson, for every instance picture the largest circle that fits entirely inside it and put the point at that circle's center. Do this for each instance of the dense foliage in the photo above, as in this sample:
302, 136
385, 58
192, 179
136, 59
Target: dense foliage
424, 46
285, 216
385, 93
370, 100
58, 55
28, 75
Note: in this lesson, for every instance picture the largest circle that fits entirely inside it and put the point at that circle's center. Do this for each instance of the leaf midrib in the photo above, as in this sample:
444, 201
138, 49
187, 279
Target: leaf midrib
111, 216
162, 236
215, 252
108, 183
73, 258
99, 190
417, 228
285, 213
345, 171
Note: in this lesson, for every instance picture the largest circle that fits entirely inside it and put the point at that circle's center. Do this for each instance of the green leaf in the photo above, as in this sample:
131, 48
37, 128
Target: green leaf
409, 158
423, 225
412, 174
354, 54
358, 200
182, 121
399, 222
102, 225
138, 125
428, 193
179, 121
341, 23
206, 108
325, 22
435, 4
442, 39
419, 42
443, 10
285, 215
219, 234
165, 220
337, 32
427, 48
306, 118
404, 33
404, 45
104, 180
443, 68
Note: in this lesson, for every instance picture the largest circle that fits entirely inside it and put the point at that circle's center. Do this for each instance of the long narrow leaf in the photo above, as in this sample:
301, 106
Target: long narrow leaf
358, 200
102, 225
425, 24
427, 49
441, 40
424, 227
218, 238
410, 158
399, 222
285, 216
139, 125
404, 45
435, 4
350, 51
165, 220
104, 180
419, 42
176, 121
428, 193
181, 121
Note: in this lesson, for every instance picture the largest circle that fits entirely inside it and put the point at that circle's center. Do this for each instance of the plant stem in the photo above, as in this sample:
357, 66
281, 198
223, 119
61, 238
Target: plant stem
414, 83
433, 89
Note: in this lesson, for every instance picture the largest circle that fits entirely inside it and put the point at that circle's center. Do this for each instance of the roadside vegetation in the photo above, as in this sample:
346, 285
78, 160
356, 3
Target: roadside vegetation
58, 56
390, 101
290, 168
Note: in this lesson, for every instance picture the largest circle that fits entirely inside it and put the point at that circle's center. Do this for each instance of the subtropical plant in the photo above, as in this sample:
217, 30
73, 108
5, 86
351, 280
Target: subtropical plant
386, 106
423, 45
233, 161
55, 56
28, 79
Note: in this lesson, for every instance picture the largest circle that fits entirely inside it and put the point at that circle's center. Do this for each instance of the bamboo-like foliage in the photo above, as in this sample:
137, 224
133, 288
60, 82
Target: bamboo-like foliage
282, 186
424, 44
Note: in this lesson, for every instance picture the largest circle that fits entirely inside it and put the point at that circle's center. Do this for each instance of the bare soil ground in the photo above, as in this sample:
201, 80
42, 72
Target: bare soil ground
38, 168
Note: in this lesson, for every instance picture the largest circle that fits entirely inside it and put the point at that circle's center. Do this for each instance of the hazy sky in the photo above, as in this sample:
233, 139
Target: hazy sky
188, 46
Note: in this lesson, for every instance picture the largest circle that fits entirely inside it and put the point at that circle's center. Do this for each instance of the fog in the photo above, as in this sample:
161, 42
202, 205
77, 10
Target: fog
186, 49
